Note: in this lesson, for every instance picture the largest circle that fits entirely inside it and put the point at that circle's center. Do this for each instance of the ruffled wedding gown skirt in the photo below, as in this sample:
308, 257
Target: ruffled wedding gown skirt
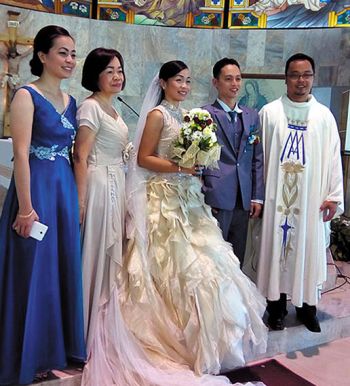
188, 309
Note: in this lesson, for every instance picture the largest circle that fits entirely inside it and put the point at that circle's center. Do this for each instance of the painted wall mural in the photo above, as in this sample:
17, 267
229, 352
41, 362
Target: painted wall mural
232, 14
81, 8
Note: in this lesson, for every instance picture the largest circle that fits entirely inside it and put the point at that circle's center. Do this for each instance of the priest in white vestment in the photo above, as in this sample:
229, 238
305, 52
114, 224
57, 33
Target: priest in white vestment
304, 189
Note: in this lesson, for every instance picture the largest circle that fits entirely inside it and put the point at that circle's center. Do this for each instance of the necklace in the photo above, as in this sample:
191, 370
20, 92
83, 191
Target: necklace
175, 111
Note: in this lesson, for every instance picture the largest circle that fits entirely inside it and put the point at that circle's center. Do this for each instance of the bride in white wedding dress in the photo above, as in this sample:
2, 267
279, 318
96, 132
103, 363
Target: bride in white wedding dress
189, 311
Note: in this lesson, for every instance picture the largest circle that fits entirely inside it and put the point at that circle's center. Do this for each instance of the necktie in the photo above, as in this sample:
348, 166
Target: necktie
236, 131
233, 116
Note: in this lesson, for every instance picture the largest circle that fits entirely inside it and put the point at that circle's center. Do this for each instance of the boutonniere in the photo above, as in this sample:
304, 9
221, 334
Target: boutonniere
253, 138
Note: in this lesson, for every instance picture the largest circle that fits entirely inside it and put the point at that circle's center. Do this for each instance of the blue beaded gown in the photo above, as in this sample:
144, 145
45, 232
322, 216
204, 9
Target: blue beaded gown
41, 307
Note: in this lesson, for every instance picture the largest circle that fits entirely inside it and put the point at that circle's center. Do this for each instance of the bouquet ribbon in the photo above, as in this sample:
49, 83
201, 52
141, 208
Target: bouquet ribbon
194, 155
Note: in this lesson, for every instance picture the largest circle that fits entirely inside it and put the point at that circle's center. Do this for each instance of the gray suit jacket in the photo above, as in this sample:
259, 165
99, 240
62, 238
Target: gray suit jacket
243, 170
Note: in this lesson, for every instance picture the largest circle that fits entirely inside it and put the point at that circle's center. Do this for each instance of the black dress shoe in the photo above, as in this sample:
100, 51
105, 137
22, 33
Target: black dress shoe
309, 320
276, 324
44, 376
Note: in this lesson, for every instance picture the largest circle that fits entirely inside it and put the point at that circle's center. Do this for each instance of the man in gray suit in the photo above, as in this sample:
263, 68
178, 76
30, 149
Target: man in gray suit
235, 191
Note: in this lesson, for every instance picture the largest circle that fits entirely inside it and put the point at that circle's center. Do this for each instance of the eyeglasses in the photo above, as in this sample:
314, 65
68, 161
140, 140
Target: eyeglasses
295, 76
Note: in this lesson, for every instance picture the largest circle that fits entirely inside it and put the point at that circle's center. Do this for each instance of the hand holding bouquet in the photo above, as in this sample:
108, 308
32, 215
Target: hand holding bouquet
197, 143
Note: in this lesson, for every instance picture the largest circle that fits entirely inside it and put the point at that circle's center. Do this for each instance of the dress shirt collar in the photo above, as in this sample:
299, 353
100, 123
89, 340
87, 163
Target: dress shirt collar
227, 109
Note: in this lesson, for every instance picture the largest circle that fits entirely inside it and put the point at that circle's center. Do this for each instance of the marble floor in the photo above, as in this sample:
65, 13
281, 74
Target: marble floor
327, 364
327, 361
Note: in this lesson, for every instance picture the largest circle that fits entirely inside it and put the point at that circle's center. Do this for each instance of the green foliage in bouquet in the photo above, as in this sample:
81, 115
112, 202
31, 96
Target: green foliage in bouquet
197, 142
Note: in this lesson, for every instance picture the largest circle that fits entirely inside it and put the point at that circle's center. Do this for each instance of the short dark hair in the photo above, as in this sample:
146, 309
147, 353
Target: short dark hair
222, 63
299, 56
170, 69
97, 61
43, 41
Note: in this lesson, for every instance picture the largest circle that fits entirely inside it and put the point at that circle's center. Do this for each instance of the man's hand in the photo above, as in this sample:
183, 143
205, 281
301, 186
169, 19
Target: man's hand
329, 209
255, 209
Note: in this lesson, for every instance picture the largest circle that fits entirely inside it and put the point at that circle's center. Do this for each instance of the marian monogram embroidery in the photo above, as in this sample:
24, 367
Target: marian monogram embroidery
292, 164
294, 148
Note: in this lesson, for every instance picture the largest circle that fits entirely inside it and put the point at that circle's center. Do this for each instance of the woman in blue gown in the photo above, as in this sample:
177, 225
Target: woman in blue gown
41, 315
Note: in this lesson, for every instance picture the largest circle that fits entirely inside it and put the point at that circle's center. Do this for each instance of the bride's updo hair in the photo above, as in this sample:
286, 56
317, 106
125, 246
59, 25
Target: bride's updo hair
43, 41
170, 69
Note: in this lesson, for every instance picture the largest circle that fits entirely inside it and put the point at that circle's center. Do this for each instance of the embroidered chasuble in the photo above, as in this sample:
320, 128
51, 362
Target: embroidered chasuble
302, 170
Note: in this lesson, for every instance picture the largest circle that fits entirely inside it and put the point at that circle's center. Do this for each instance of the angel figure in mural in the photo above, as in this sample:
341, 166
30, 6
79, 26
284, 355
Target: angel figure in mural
169, 12
11, 76
300, 17
271, 7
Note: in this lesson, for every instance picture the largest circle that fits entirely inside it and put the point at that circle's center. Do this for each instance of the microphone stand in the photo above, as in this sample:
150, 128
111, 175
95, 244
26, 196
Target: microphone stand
122, 100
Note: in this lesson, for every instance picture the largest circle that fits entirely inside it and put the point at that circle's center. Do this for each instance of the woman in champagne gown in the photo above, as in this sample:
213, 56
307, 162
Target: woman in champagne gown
100, 174
182, 310
41, 308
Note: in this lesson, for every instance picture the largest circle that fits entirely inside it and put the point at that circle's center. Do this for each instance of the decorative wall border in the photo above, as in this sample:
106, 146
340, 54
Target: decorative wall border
340, 19
213, 14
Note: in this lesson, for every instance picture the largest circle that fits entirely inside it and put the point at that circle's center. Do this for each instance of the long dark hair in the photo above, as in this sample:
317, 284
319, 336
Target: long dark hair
43, 41
170, 69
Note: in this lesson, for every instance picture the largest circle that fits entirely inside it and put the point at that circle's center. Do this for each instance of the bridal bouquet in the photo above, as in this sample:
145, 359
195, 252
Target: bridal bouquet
197, 143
